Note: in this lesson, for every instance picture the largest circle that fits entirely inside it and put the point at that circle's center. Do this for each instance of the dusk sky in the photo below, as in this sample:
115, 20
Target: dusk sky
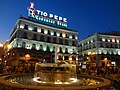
85, 16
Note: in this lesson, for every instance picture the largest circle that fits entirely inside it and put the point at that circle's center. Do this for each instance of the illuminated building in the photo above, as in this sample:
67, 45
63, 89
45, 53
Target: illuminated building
38, 40
101, 46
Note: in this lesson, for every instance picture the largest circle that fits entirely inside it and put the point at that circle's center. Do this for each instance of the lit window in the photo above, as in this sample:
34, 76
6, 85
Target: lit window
113, 40
117, 41
76, 37
52, 32
91, 41
115, 52
44, 48
58, 34
118, 52
100, 52
105, 51
45, 31
22, 26
39, 30
103, 39
88, 42
30, 28
108, 40
63, 35
70, 36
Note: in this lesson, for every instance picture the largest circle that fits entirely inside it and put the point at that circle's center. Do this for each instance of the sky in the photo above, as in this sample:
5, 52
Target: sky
85, 16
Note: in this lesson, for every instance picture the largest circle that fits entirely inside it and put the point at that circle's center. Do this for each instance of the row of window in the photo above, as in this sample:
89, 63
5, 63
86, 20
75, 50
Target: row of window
49, 39
47, 48
87, 42
49, 32
111, 45
110, 40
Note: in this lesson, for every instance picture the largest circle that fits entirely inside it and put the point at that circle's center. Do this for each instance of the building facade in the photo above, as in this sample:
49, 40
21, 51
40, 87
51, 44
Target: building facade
32, 41
101, 48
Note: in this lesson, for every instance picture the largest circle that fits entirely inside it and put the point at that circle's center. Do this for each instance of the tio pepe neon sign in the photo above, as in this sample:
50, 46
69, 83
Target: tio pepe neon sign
46, 17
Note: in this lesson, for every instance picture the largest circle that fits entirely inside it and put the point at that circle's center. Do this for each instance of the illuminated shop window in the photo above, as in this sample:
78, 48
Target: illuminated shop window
103, 39
22, 26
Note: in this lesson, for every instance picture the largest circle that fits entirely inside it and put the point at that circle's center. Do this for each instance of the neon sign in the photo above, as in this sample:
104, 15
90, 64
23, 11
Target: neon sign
46, 17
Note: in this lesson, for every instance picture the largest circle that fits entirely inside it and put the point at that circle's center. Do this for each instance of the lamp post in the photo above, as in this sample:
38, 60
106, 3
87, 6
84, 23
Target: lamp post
27, 57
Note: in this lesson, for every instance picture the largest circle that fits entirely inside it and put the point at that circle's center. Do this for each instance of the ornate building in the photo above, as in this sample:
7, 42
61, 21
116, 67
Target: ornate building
32, 41
102, 48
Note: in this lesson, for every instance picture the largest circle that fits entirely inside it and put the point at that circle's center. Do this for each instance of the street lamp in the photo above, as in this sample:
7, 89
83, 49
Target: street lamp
27, 57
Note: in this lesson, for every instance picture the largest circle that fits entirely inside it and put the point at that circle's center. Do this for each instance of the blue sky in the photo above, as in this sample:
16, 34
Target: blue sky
85, 16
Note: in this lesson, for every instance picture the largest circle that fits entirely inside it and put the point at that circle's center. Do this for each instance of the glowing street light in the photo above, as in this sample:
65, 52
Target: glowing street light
27, 57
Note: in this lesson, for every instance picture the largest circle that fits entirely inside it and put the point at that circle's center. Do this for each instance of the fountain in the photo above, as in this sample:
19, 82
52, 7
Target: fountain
58, 75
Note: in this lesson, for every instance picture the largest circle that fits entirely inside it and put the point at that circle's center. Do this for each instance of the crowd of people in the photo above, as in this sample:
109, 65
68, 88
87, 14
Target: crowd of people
100, 71
17, 69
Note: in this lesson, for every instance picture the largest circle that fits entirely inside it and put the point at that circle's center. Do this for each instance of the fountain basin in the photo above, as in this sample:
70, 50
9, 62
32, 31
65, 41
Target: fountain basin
25, 82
